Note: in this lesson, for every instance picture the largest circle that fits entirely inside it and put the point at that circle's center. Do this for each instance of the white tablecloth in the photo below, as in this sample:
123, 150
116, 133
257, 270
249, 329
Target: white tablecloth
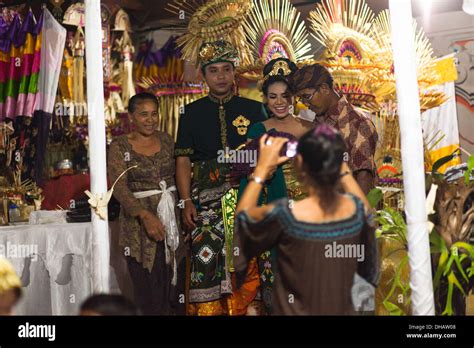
54, 263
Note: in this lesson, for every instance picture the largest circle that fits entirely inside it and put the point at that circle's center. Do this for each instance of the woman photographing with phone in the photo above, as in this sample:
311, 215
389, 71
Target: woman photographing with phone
312, 277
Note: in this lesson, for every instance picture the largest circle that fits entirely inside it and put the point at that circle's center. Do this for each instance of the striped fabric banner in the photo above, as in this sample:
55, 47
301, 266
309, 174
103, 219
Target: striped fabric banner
20, 57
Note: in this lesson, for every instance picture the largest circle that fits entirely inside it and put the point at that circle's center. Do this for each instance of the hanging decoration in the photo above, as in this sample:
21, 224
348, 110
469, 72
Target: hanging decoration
168, 84
124, 46
78, 52
57, 10
146, 62
30, 59
19, 62
106, 45
121, 86
75, 15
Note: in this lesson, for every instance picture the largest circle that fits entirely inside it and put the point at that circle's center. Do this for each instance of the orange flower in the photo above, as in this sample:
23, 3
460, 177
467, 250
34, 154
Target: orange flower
214, 175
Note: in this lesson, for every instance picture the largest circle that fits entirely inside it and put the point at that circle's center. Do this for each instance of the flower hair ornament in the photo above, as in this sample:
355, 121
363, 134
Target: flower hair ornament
326, 130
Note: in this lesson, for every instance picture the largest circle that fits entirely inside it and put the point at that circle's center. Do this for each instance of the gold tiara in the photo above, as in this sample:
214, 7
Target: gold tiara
280, 68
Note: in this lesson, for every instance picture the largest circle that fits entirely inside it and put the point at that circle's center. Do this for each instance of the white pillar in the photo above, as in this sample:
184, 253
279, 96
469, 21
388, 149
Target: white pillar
403, 44
96, 125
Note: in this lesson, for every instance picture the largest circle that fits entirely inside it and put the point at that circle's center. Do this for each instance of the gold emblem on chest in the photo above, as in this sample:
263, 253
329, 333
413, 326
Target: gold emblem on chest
241, 123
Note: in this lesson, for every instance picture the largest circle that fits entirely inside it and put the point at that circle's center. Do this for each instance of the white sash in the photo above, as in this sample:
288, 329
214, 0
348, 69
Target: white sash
166, 213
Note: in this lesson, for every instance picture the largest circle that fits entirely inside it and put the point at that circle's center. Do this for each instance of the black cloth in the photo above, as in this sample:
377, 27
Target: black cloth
31, 134
42, 121
200, 132
153, 292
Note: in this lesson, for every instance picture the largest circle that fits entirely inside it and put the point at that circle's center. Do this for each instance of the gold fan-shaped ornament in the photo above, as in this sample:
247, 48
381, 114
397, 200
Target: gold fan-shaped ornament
351, 55
335, 20
211, 21
384, 81
274, 30
359, 54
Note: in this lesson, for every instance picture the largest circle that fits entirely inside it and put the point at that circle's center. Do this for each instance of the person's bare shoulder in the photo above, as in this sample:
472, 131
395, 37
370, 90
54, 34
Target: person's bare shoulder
306, 124
303, 126
268, 124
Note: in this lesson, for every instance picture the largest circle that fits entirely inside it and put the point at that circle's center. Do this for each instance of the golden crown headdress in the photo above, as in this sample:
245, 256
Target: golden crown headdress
280, 68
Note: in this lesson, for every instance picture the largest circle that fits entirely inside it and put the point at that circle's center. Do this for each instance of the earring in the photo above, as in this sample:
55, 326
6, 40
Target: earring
291, 109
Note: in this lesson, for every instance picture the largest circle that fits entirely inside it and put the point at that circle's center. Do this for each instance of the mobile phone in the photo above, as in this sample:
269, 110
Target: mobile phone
290, 149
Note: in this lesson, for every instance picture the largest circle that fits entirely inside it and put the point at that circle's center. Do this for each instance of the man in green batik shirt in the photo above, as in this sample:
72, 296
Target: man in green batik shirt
208, 128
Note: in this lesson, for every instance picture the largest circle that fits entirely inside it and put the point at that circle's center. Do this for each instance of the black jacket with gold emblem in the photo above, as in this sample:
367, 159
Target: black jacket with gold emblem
209, 125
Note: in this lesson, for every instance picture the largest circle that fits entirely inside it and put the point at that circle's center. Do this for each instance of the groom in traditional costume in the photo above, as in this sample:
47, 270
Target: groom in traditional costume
209, 128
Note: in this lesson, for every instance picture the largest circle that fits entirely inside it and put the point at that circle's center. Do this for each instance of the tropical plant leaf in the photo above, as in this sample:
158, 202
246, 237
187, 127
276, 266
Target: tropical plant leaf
374, 197
398, 276
461, 270
448, 310
392, 308
436, 242
452, 279
466, 246
470, 270
392, 226
447, 268
439, 271
396, 283
467, 173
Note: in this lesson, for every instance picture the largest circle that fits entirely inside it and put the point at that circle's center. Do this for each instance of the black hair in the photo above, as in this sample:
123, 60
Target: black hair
109, 304
203, 68
274, 79
311, 76
322, 156
139, 98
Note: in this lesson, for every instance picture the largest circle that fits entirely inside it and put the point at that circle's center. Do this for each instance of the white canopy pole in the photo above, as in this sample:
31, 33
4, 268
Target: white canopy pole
96, 125
403, 44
